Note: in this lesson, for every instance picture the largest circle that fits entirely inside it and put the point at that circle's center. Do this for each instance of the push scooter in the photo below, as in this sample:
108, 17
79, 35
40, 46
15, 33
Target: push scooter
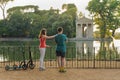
30, 62
8, 67
22, 65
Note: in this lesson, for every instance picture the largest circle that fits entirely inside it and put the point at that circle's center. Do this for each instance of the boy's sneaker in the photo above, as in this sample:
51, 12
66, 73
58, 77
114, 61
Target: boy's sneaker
63, 71
60, 70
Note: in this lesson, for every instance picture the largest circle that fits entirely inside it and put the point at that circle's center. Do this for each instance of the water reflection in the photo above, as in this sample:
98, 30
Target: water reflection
2, 58
99, 49
84, 49
107, 50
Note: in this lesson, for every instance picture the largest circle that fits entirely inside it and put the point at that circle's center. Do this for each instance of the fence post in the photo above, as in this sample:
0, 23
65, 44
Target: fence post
94, 58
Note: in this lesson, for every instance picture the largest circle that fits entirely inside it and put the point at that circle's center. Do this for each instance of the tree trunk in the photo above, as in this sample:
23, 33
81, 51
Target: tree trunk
3, 14
113, 33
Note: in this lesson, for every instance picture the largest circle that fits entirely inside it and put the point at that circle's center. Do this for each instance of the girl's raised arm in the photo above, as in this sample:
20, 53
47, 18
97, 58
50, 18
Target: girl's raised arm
49, 37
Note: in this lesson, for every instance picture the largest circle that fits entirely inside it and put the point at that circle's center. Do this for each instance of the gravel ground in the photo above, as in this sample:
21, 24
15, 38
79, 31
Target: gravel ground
53, 74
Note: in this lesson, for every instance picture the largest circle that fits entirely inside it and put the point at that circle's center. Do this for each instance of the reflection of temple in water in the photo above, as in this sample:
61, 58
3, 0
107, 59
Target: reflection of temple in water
84, 49
84, 31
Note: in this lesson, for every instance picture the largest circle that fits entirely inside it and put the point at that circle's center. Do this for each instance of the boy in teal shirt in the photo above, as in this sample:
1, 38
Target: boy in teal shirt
60, 40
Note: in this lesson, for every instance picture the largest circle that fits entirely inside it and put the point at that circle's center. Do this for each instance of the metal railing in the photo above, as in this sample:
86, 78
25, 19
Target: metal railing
75, 57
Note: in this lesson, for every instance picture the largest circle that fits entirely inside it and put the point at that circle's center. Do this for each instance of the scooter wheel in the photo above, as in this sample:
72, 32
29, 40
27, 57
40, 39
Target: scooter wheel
7, 67
31, 66
15, 67
24, 66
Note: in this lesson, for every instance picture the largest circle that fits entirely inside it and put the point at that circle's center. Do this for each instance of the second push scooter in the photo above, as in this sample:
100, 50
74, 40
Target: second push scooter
30, 62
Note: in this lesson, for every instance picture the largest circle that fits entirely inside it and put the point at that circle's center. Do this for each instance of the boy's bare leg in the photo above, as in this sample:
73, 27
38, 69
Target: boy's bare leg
62, 62
59, 61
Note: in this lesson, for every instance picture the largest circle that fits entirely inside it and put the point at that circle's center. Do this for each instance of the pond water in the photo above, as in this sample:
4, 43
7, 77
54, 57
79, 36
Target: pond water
99, 44
82, 49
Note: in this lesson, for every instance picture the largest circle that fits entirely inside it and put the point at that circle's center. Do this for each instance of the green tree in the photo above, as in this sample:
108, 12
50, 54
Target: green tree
64, 21
23, 9
104, 15
71, 10
112, 16
24, 24
16, 22
48, 17
3, 28
25, 15
27, 21
35, 24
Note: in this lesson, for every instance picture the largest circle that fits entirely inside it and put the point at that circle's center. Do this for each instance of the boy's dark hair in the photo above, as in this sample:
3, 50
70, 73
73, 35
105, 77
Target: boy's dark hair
59, 29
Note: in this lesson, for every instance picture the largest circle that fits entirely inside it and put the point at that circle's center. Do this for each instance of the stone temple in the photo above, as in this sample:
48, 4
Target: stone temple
84, 33
84, 28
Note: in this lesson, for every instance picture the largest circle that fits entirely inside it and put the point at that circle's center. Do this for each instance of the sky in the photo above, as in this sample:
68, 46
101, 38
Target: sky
46, 4
56, 4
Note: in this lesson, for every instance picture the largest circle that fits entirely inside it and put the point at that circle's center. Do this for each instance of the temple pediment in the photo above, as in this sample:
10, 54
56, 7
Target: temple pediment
84, 28
84, 19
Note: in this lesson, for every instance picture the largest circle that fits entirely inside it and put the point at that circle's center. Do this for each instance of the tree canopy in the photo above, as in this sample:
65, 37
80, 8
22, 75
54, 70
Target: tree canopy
27, 21
105, 14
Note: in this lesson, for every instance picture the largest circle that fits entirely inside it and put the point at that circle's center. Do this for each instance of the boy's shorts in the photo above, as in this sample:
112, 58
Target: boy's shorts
60, 53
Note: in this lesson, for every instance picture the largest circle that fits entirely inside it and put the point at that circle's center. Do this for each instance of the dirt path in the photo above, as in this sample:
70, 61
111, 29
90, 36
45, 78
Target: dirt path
53, 74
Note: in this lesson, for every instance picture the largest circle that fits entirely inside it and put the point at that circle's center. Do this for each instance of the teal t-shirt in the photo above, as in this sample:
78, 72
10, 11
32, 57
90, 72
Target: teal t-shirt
60, 40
